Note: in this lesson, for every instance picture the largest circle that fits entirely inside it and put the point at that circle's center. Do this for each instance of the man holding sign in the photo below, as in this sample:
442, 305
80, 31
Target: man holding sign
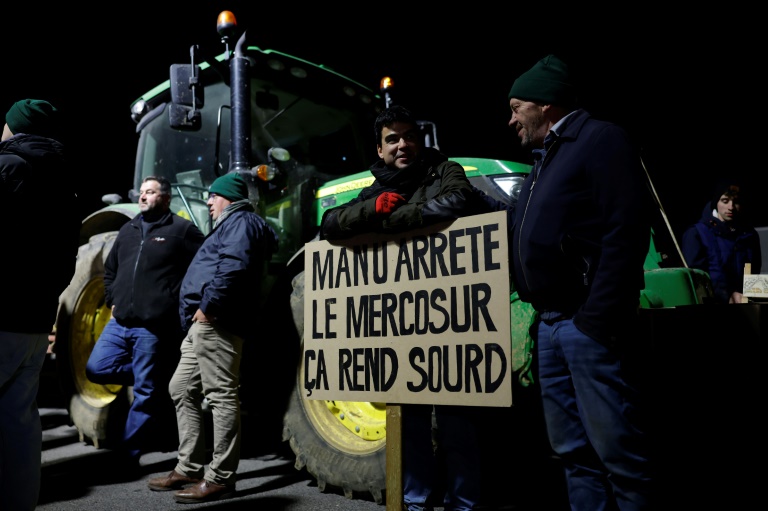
416, 187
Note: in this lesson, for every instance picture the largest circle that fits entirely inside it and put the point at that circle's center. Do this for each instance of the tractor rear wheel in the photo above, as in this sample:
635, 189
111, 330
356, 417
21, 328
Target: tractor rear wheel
340, 443
98, 411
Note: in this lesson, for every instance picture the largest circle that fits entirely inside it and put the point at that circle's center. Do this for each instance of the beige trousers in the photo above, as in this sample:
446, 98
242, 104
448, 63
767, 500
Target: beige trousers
209, 367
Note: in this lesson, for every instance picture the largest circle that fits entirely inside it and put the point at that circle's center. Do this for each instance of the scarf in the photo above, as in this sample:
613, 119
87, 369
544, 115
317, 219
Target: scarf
235, 206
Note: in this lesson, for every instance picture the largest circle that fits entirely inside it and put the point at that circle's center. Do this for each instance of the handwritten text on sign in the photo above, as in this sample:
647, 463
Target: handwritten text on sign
419, 317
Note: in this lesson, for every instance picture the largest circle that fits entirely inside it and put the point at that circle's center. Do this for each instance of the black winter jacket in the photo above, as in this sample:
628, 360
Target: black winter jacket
435, 188
224, 279
582, 228
142, 278
40, 231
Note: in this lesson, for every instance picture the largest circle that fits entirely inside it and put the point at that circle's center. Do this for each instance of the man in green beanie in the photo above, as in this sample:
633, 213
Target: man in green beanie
33, 117
218, 296
579, 244
41, 215
232, 186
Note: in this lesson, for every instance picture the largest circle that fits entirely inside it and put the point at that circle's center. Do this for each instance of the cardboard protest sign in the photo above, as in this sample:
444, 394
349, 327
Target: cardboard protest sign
416, 317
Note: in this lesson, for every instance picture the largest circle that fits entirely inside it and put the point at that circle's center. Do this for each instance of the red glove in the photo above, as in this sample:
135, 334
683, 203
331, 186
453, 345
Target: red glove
387, 202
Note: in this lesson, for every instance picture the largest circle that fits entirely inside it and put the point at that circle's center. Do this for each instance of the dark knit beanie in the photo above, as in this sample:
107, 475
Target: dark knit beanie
728, 187
32, 116
231, 186
547, 82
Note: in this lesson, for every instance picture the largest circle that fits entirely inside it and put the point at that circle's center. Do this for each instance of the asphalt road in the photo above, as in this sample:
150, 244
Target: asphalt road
78, 477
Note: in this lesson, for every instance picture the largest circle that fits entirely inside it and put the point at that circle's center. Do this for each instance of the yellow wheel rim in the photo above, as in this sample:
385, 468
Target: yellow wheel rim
89, 318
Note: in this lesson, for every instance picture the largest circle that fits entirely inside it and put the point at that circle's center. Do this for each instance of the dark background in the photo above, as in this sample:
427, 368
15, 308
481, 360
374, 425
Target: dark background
685, 85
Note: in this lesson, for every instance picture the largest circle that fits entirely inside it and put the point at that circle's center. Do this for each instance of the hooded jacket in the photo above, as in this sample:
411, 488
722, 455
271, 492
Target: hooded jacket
224, 278
40, 231
721, 249
582, 228
142, 274
435, 188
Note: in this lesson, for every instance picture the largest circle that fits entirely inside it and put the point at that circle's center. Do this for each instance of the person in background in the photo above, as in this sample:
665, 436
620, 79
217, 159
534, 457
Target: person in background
722, 242
139, 346
581, 233
417, 186
218, 296
40, 213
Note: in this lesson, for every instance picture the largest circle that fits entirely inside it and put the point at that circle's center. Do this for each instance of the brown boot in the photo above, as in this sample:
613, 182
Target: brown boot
204, 491
172, 481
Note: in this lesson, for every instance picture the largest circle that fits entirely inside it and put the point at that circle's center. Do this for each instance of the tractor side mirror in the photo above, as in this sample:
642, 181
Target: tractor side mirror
187, 97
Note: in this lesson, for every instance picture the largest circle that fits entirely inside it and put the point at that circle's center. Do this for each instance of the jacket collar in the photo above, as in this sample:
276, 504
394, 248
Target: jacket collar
409, 177
162, 220
569, 126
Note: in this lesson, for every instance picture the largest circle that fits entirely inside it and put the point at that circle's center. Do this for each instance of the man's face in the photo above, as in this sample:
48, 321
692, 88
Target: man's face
216, 204
6, 133
400, 144
728, 208
151, 199
529, 123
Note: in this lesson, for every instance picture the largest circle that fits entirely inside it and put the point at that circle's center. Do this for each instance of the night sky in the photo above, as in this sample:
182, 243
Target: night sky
683, 85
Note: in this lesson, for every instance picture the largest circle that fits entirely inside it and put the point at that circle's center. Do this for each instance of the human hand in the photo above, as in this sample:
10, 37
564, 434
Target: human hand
387, 202
201, 317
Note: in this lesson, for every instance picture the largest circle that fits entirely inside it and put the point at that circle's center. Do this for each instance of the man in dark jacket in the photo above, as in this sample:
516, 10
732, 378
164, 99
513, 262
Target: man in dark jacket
219, 295
40, 221
581, 234
414, 186
721, 243
417, 186
139, 346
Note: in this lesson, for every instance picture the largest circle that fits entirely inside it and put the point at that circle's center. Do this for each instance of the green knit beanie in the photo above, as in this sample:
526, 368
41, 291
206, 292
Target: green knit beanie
547, 82
231, 186
32, 116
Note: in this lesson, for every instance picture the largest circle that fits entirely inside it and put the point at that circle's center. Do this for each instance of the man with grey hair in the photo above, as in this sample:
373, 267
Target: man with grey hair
217, 298
581, 234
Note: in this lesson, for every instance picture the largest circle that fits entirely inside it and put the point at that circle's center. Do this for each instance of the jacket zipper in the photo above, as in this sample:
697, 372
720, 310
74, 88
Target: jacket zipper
525, 211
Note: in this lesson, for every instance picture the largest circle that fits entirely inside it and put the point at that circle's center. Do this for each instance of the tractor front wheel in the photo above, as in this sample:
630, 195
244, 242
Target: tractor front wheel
98, 411
340, 443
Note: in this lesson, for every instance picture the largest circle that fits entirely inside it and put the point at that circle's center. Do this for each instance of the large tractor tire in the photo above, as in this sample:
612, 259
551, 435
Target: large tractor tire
342, 444
98, 411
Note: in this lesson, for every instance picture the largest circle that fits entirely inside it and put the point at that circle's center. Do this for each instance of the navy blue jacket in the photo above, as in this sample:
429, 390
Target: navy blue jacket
721, 249
583, 227
142, 276
40, 231
225, 276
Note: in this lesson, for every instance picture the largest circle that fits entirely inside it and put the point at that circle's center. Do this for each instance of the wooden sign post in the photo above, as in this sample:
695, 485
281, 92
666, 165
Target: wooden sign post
394, 458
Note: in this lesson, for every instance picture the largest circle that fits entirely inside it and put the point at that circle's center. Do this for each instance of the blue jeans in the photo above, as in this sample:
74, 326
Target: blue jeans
142, 359
458, 443
593, 422
21, 361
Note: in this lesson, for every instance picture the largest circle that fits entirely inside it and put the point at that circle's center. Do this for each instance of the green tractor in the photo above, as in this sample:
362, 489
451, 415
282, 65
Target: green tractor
300, 134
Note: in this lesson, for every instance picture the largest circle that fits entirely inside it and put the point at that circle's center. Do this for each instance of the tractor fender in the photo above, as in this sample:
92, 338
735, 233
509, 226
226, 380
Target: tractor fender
110, 218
